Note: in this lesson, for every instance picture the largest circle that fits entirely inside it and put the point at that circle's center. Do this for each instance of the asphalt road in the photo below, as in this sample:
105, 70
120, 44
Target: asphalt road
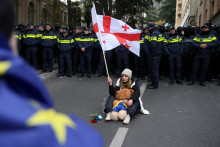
181, 115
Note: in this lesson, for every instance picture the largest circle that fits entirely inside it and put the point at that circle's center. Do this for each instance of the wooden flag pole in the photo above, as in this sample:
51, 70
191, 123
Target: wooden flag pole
106, 66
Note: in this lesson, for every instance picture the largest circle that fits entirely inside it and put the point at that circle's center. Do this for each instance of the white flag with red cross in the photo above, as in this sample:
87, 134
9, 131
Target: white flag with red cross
112, 32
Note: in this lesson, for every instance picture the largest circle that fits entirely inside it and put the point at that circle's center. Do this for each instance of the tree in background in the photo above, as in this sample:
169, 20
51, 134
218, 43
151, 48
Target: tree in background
56, 15
87, 13
77, 13
168, 11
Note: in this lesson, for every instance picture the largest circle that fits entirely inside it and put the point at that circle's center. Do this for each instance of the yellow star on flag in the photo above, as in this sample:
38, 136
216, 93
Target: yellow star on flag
4, 66
58, 122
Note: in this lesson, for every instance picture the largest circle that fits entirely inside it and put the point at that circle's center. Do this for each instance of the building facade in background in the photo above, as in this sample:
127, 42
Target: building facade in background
37, 11
197, 12
208, 10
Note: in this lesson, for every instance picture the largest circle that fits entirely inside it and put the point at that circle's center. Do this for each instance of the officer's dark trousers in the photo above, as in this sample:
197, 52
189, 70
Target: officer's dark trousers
175, 61
86, 62
203, 61
76, 58
64, 56
48, 53
122, 58
108, 56
155, 69
139, 64
187, 62
31, 55
149, 65
134, 109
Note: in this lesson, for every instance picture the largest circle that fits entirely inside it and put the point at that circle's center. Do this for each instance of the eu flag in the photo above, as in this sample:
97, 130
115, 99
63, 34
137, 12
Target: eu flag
27, 114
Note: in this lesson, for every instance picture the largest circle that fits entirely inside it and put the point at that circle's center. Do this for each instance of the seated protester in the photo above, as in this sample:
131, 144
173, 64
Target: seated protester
65, 46
133, 104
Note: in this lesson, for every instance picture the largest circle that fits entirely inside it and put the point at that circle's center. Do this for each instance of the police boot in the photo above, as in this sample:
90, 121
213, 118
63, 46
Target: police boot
202, 84
190, 83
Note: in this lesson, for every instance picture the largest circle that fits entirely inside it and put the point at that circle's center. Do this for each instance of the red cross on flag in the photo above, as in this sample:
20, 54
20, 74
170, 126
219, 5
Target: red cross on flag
113, 32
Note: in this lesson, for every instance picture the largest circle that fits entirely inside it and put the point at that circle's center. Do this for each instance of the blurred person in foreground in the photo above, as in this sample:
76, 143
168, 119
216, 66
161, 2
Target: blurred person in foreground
27, 114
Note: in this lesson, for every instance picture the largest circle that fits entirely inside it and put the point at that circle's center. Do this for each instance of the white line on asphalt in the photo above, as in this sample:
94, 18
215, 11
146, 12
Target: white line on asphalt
119, 137
142, 89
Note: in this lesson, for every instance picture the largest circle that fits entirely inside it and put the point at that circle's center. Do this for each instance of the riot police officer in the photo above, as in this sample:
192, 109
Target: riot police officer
76, 50
122, 54
139, 62
32, 40
48, 40
153, 44
173, 47
85, 43
65, 44
203, 42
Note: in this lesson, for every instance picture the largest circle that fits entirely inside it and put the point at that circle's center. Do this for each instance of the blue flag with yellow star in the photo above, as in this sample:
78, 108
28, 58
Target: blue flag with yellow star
27, 114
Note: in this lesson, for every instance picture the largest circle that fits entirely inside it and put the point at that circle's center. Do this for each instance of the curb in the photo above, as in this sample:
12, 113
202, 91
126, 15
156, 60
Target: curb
49, 75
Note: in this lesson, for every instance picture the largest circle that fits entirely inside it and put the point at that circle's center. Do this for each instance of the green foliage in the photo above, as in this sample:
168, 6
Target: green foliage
168, 11
87, 13
56, 15
76, 13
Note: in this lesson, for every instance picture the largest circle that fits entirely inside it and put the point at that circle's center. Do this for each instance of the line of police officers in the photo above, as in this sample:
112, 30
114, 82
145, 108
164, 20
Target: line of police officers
187, 52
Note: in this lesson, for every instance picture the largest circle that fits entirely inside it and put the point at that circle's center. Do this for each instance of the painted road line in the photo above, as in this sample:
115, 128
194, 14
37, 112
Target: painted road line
142, 89
119, 137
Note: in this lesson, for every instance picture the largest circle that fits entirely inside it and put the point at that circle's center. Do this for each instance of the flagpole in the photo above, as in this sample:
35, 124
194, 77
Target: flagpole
103, 52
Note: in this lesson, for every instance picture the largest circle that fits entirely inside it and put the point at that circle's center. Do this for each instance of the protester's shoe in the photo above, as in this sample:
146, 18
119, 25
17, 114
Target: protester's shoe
190, 83
98, 75
179, 82
81, 75
108, 117
151, 87
89, 76
127, 119
171, 82
202, 84
74, 74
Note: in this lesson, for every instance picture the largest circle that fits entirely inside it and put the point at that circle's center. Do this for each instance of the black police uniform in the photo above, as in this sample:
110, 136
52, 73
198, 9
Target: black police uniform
153, 44
32, 40
65, 46
174, 47
85, 41
48, 40
122, 53
202, 56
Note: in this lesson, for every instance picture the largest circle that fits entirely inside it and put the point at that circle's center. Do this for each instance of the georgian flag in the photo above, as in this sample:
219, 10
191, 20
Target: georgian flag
112, 33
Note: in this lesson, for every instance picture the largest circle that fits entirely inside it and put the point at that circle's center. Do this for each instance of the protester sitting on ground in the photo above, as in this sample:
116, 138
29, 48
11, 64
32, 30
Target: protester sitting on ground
126, 81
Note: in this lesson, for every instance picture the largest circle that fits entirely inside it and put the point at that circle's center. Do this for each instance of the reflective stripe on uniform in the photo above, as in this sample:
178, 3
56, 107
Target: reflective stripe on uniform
49, 37
32, 36
85, 39
65, 41
205, 39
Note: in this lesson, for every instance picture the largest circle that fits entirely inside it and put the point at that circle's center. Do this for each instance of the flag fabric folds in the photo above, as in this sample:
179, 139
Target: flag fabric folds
27, 114
112, 33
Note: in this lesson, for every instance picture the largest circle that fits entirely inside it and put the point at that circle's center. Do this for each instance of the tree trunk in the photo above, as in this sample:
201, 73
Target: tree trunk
118, 14
69, 13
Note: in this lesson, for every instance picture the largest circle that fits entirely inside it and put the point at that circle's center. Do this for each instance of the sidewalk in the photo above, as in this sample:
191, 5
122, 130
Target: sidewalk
48, 75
